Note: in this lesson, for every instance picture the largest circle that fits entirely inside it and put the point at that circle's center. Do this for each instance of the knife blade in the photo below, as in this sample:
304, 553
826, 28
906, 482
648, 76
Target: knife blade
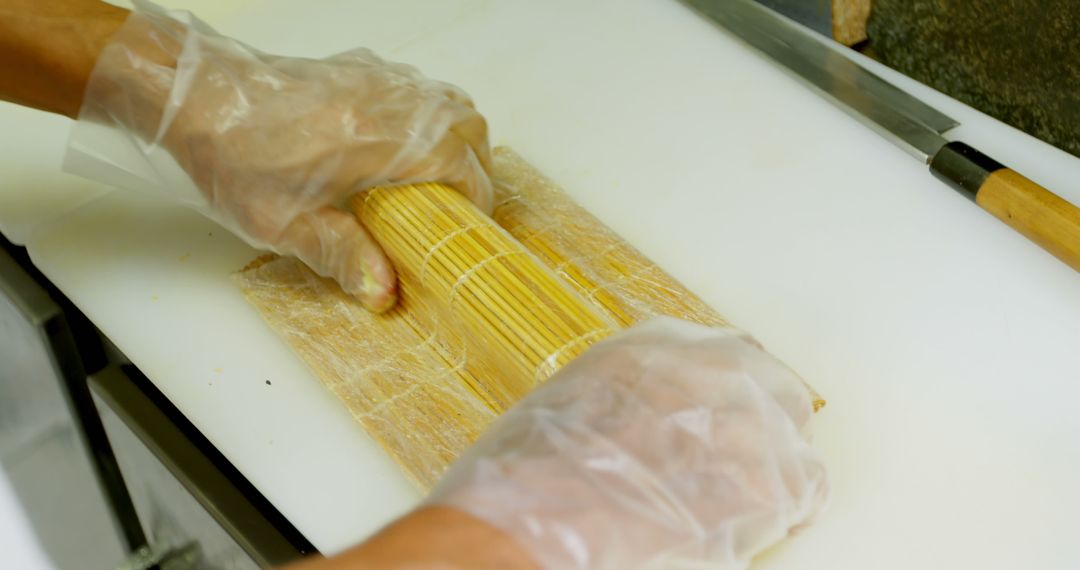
816, 15
1042, 216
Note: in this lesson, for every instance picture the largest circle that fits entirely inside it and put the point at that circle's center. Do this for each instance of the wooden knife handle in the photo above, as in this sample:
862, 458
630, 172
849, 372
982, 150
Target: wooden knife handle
1040, 215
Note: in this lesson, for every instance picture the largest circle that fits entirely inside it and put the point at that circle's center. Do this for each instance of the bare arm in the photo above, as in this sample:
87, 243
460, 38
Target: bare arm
47, 50
433, 537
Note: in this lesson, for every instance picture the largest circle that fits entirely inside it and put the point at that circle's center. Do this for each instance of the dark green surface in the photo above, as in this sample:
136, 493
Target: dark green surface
1017, 60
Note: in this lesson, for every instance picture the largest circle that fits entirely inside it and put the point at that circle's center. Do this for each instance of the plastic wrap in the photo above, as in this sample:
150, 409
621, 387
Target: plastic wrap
584, 252
426, 388
390, 370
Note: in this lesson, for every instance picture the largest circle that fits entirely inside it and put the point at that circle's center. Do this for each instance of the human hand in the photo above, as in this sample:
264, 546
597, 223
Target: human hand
670, 444
277, 144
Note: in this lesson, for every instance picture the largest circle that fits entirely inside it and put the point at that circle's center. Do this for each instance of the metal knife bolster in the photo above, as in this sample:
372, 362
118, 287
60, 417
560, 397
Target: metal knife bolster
963, 168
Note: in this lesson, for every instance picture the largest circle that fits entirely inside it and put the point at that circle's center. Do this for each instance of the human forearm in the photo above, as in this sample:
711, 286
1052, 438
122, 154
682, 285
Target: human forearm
431, 538
48, 49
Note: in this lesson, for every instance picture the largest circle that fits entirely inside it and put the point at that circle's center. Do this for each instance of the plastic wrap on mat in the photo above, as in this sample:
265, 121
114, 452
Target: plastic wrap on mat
479, 321
590, 257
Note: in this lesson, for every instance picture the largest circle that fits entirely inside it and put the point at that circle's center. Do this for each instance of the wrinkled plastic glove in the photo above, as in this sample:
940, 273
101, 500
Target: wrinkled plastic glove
278, 144
669, 445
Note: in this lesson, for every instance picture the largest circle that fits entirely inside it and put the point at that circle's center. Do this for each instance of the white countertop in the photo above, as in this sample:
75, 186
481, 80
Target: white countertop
945, 343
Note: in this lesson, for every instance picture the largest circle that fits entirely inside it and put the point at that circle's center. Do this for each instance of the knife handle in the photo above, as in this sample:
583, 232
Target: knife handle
1040, 215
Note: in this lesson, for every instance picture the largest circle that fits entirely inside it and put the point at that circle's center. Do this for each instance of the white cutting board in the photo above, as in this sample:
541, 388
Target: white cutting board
945, 344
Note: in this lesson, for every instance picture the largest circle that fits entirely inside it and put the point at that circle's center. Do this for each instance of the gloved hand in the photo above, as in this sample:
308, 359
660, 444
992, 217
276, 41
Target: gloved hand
668, 445
278, 144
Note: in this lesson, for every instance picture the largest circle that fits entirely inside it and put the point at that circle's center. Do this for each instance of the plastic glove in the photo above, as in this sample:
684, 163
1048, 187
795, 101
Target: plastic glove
278, 144
668, 445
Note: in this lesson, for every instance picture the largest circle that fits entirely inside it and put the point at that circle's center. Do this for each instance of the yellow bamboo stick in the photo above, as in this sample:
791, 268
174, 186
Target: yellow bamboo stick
484, 286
